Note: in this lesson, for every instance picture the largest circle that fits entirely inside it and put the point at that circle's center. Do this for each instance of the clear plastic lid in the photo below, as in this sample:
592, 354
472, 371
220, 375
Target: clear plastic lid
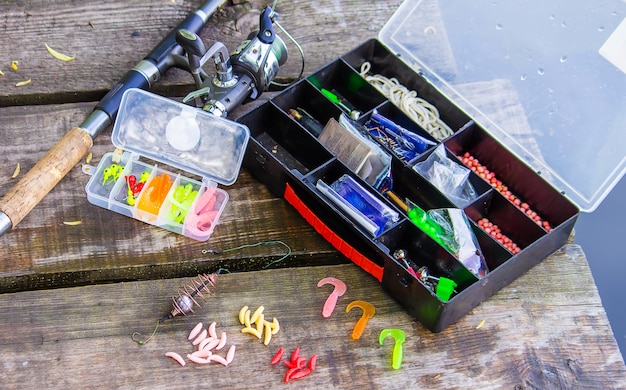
181, 136
546, 78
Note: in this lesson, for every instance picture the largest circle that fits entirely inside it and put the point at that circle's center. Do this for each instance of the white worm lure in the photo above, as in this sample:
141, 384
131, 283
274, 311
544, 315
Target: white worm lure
212, 344
179, 359
212, 332
222, 342
205, 340
230, 355
202, 353
418, 109
199, 360
200, 337
204, 343
219, 359
195, 331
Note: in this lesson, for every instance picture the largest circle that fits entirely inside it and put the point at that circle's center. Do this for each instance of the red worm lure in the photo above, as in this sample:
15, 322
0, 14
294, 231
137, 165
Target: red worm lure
297, 368
277, 356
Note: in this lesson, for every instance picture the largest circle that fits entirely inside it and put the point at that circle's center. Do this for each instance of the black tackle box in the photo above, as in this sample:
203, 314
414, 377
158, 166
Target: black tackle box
534, 93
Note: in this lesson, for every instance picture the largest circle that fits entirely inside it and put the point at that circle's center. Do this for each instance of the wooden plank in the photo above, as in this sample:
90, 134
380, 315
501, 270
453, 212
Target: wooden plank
109, 38
546, 330
42, 251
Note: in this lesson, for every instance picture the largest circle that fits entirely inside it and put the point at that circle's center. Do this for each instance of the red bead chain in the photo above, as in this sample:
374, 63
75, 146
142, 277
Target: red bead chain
472, 163
495, 232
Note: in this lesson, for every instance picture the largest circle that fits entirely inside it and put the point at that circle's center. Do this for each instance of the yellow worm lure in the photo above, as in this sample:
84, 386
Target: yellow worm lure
59, 56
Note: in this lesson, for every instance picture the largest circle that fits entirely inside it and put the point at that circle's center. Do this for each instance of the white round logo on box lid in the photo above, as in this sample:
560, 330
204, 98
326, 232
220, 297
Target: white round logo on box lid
182, 131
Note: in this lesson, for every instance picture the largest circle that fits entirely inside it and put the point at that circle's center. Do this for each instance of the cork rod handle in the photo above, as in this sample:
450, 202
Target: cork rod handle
42, 177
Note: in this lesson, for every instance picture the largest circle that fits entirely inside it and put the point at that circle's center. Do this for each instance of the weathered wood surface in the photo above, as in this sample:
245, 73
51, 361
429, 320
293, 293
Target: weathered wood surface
547, 330
43, 252
108, 39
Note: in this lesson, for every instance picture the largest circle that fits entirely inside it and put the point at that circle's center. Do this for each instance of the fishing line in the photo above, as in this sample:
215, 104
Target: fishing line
142, 342
270, 242
418, 109
295, 42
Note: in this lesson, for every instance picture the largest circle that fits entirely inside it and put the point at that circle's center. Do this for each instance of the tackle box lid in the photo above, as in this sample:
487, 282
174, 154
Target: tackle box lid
180, 135
546, 78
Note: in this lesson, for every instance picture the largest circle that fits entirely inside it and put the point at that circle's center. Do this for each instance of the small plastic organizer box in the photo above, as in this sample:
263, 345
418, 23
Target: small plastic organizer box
180, 136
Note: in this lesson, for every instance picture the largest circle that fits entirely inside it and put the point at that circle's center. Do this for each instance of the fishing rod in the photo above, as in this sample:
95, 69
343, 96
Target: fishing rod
244, 74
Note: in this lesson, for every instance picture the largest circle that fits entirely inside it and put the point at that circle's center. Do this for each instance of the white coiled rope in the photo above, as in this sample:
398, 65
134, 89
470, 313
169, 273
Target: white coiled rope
416, 108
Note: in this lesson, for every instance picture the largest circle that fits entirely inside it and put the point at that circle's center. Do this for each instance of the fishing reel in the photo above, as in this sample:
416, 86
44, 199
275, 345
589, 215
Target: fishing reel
244, 74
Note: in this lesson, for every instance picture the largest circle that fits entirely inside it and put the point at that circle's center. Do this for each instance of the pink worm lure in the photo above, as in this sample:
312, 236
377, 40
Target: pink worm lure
202, 336
195, 331
176, 357
231, 354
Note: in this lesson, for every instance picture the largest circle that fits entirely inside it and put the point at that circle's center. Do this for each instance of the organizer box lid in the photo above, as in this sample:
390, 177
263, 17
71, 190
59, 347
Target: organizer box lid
180, 135
546, 78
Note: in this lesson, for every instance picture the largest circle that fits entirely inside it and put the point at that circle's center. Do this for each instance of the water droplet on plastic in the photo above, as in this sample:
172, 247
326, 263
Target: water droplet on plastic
523, 77
600, 28
552, 17
540, 71
563, 58
550, 91
614, 13
499, 26
564, 24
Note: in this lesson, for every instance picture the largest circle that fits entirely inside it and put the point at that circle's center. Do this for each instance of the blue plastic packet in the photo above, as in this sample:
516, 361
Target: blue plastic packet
360, 205
404, 143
